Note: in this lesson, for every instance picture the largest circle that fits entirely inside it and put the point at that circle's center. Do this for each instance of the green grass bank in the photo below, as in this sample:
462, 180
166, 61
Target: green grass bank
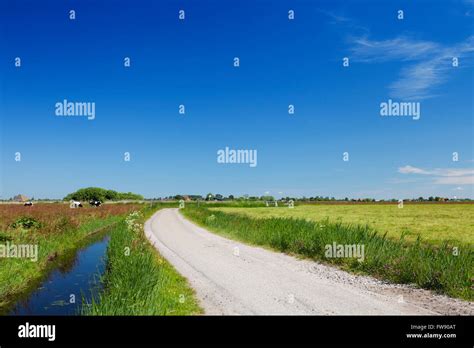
137, 280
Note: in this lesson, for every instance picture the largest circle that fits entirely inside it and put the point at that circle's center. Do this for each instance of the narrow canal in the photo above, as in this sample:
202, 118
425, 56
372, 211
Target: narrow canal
72, 281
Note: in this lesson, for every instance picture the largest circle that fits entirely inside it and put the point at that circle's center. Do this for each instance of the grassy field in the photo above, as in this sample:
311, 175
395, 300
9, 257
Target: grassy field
441, 267
56, 229
138, 281
435, 223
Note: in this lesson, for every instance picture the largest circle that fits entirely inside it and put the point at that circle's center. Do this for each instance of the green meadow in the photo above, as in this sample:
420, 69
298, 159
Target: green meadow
434, 223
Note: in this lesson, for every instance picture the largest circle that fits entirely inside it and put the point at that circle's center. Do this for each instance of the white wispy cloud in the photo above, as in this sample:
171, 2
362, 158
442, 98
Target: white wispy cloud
470, 5
443, 176
336, 18
347, 23
461, 180
401, 48
411, 170
438, 171
429, 63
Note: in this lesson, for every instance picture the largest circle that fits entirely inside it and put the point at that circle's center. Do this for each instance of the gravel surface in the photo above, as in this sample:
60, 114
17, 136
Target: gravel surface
234, 278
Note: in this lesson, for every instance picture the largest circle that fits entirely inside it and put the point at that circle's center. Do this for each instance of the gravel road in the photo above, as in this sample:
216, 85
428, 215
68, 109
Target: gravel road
233, 278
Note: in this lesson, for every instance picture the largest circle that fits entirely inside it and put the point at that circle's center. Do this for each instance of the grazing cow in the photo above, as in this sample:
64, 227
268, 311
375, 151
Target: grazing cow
95, 203
75, 204
28, 204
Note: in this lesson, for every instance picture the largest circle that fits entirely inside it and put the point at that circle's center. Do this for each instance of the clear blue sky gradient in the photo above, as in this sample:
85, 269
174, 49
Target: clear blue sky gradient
190, 62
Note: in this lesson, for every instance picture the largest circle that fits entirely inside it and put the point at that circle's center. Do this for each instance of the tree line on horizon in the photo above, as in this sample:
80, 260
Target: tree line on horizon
97, 193
219, 197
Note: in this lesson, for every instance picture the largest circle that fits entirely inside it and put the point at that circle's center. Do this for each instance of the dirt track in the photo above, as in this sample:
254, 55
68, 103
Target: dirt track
233, 278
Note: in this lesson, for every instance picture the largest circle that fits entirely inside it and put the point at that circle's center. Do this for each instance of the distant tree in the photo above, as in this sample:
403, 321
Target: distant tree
231, 197
111, 195
88, 193
100, 194
129, 196
195, 197
209, 197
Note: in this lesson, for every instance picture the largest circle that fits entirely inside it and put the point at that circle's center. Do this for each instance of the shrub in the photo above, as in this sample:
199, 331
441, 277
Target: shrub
26, 222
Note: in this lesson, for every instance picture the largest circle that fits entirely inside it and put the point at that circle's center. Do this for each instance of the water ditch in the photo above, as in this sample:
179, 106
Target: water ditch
72, 281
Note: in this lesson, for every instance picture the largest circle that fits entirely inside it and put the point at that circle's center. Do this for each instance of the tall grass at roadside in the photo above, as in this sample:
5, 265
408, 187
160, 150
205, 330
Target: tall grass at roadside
431, 267
138, 281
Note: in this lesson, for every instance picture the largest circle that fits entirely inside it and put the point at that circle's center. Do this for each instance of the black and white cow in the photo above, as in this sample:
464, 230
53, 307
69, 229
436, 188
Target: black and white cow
95, 203
75, 204
28, 204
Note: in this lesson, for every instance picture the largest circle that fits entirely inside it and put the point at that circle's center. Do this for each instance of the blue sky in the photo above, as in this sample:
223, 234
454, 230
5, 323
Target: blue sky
282, 62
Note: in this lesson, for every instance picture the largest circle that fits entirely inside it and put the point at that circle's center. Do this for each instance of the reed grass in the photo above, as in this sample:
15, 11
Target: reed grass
138, 281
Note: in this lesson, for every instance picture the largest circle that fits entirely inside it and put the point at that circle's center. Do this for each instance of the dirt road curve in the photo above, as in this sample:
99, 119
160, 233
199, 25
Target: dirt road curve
233, 278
